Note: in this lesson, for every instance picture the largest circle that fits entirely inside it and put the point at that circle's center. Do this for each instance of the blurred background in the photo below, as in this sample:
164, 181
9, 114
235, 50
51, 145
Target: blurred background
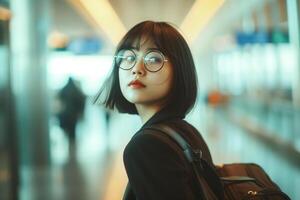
55, 54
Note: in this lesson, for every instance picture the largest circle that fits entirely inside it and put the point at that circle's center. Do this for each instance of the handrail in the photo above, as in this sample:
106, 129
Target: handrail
285, 147
279, 103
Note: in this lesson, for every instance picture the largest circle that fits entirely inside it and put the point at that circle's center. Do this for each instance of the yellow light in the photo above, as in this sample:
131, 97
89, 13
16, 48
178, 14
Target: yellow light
104, 16
57, 40
199, 15
4, 14
117, 180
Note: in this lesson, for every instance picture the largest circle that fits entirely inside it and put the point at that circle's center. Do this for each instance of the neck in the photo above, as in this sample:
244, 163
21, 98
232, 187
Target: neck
146, 112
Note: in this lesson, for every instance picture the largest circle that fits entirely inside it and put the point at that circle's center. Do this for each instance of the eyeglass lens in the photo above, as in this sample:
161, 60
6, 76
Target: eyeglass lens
153, 60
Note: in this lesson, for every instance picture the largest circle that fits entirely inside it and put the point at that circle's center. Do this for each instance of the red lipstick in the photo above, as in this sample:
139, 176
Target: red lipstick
136, 84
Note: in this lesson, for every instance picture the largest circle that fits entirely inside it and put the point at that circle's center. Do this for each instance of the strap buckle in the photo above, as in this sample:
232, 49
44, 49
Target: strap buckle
197, 157
197, 154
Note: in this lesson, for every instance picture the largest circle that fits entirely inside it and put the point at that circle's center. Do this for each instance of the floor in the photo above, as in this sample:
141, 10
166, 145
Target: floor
93, 169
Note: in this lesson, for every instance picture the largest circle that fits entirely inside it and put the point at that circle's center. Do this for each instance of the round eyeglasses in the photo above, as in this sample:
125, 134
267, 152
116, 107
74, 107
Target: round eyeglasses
153, 60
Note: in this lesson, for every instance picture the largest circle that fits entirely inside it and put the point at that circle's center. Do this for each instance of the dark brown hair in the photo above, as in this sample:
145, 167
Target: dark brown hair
170, 42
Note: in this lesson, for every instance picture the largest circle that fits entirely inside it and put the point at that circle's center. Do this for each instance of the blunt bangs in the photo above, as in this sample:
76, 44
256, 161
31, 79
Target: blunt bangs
170, 42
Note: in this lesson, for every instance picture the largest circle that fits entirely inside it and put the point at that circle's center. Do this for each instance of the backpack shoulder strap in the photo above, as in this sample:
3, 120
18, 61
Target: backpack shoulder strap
208, 177
186, 148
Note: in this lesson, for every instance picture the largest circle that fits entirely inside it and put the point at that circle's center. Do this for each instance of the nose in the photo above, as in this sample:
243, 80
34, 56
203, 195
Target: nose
139, 68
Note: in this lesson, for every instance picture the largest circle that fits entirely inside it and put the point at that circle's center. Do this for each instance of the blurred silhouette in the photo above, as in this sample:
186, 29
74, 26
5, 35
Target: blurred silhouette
72, 104
107, 116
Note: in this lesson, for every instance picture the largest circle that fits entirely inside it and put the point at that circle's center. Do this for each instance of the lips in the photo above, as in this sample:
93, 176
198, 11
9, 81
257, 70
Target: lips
136, 84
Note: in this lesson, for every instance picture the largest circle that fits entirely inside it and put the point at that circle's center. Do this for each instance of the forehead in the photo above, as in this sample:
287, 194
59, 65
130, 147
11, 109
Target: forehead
143, 43
139, 42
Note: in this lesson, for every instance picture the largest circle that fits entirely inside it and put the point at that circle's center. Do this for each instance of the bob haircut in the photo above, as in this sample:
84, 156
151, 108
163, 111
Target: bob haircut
170, 42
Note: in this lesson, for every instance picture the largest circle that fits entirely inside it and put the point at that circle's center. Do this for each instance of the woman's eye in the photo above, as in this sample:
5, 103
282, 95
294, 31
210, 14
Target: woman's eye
130, 58
154, 60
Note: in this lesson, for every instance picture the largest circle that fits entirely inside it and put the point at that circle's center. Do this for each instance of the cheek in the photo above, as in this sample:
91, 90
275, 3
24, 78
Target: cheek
163, 78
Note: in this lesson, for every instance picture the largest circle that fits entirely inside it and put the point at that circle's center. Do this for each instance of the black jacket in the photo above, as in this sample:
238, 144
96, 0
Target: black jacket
155, 165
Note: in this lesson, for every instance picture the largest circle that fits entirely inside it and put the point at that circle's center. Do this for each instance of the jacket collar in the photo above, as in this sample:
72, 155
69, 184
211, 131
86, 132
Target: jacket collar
162, 116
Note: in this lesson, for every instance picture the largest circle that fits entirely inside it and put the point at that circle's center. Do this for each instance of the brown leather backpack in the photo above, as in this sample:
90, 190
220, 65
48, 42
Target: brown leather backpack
239, 181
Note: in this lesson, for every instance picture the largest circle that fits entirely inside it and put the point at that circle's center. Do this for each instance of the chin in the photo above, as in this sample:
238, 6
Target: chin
137, 101
146, 102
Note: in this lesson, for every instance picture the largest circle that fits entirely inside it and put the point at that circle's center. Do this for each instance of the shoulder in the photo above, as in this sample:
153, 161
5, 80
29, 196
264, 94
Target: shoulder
192, 136
148, 138
152, 144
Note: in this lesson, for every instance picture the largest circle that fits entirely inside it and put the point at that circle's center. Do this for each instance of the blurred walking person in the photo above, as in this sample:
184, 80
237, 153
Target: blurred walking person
72, 101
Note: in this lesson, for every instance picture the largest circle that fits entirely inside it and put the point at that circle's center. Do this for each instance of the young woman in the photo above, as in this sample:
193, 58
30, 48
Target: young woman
154, 76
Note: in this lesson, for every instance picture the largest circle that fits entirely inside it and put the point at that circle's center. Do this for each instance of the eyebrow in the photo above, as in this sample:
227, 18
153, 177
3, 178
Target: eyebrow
148, 49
